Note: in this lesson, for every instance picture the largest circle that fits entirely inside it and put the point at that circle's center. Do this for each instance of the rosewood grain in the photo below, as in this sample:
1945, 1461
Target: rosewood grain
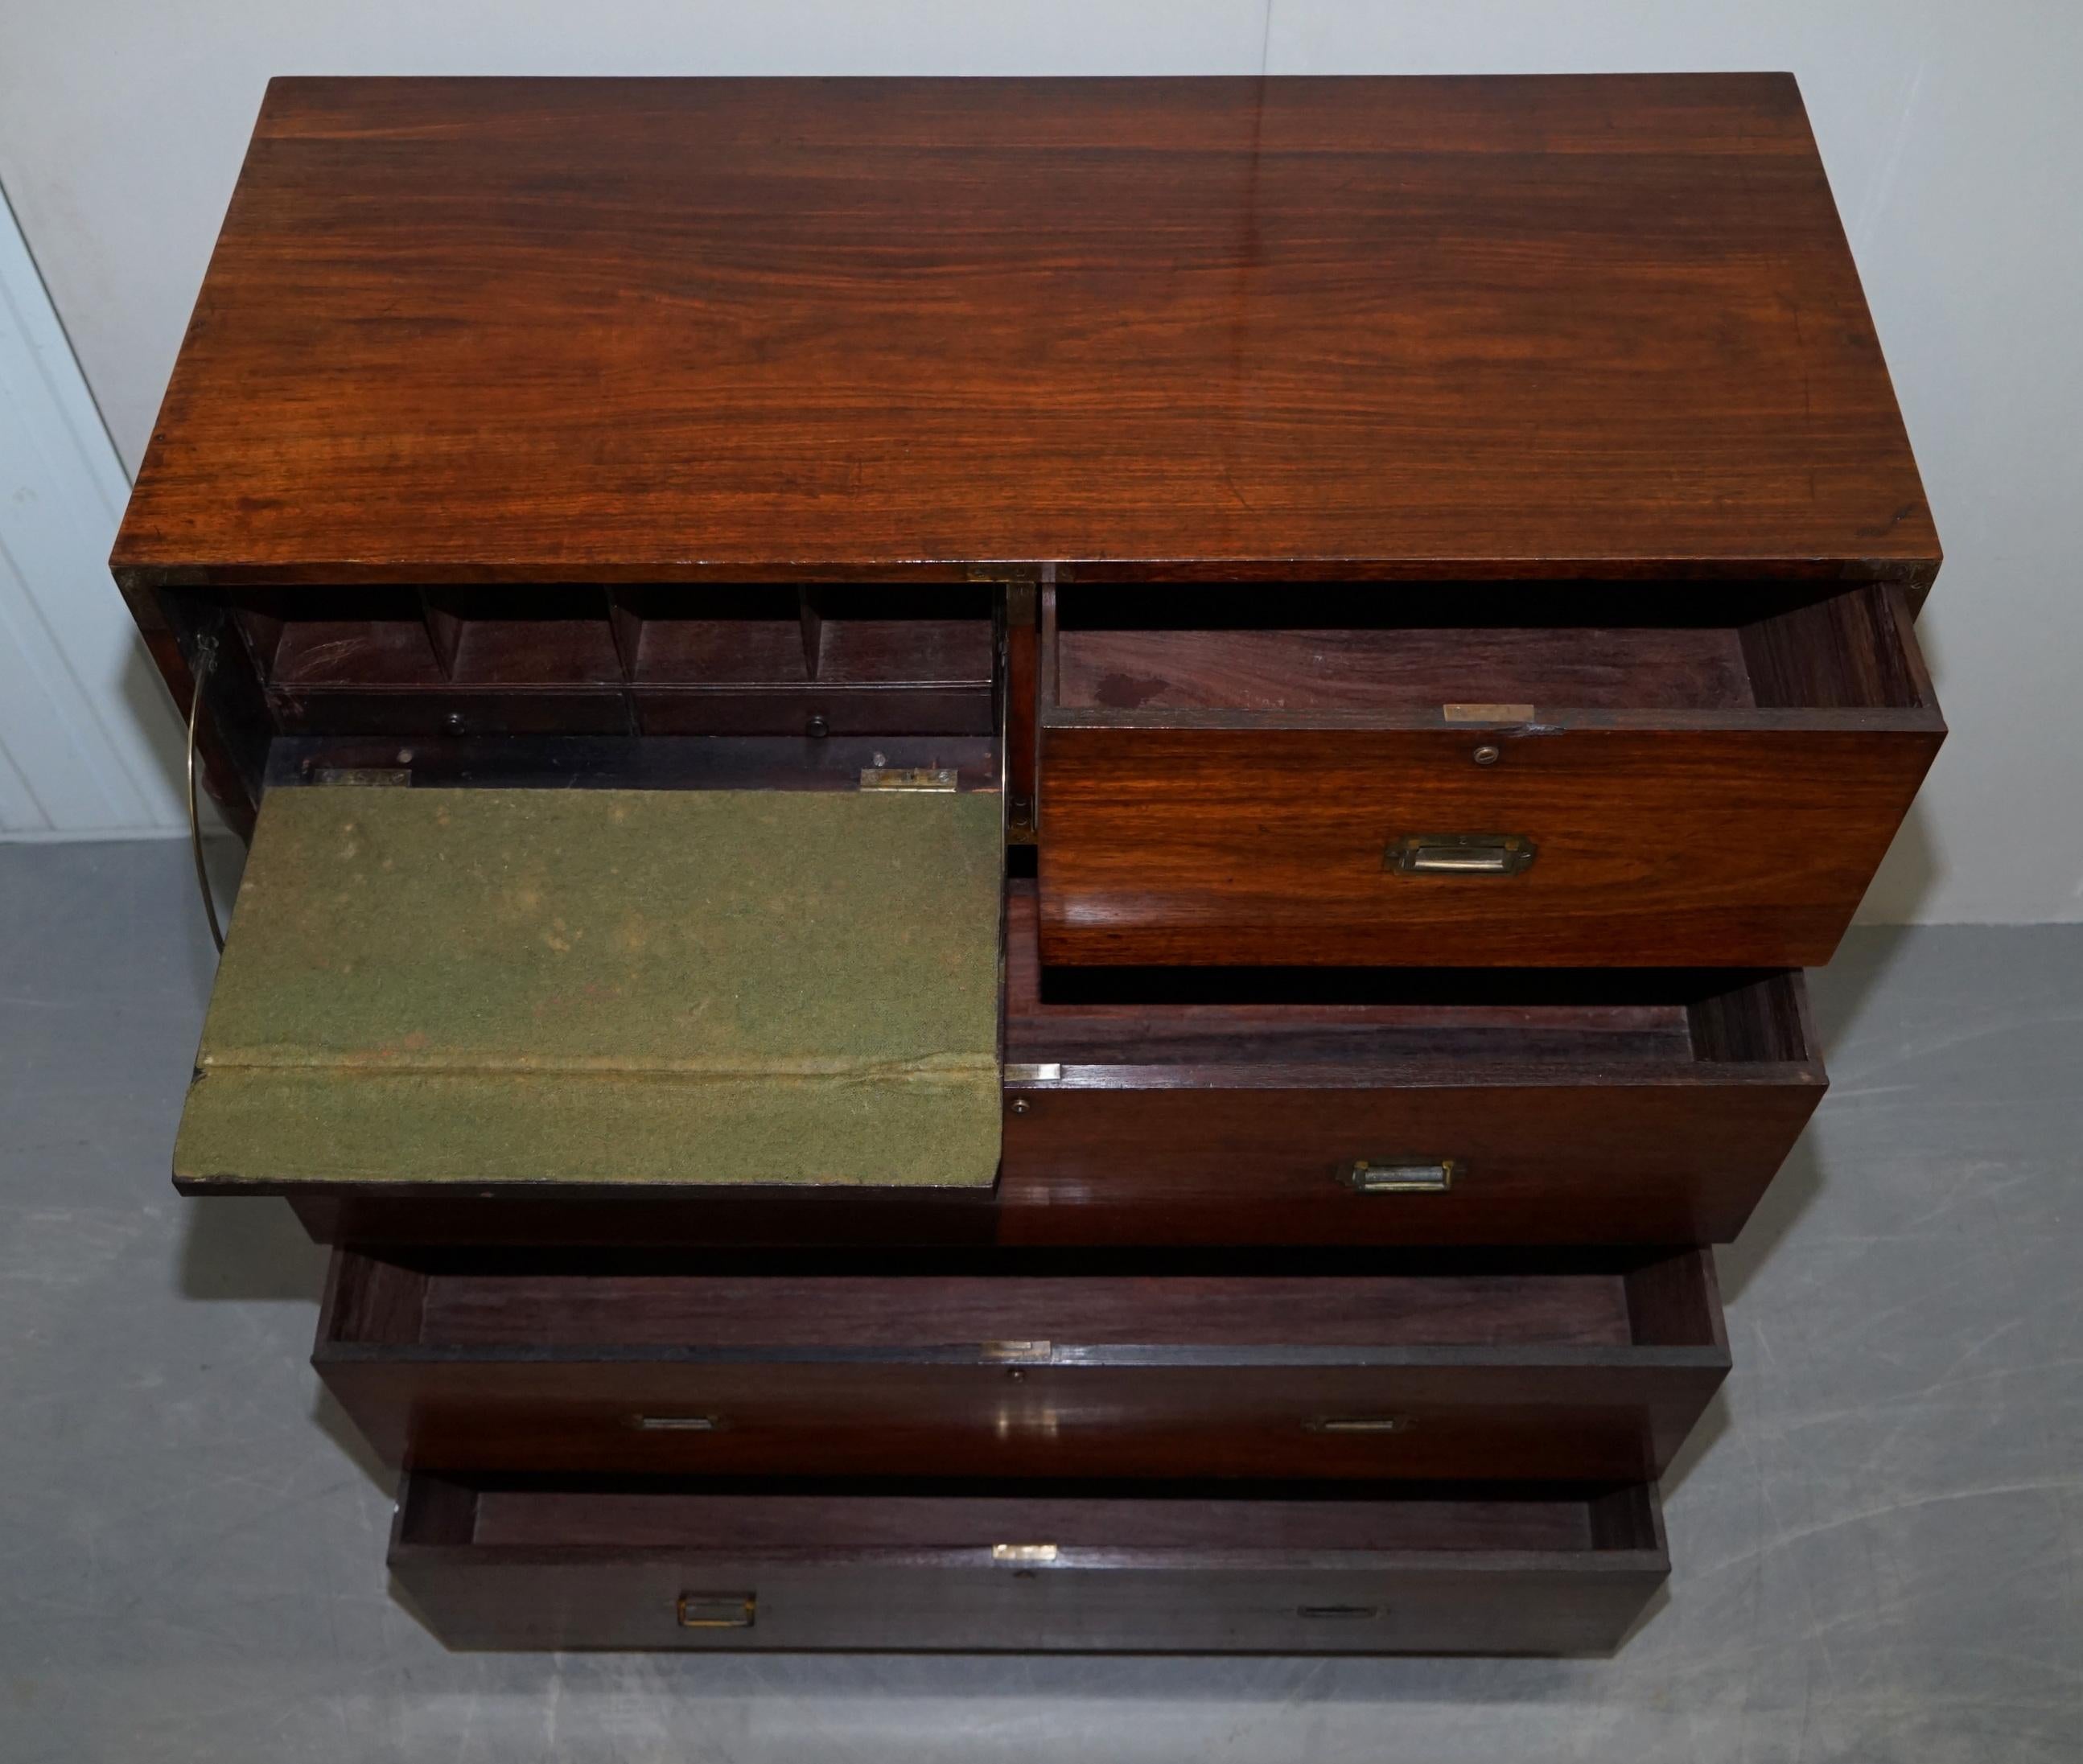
1210, 330
569, 1563
888, 324
1718, 790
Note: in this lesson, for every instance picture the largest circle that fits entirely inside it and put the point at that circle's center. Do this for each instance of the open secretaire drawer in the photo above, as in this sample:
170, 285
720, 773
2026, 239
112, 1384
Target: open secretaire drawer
1454, 774
1589, 1366
571, 1562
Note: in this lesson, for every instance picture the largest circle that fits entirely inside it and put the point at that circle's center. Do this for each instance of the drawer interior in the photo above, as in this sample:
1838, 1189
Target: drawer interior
1015, 1308
1478, 652
749, 1519
1585, 1020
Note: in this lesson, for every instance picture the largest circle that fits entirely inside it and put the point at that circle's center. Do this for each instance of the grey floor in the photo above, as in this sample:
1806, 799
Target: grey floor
1876, 1531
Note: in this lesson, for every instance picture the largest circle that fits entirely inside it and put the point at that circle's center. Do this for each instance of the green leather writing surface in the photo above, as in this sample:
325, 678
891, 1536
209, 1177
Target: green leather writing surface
650, 986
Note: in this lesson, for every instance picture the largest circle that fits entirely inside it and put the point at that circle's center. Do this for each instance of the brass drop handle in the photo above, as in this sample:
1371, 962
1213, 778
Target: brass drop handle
1459, 854
1401, 1176
716, 1611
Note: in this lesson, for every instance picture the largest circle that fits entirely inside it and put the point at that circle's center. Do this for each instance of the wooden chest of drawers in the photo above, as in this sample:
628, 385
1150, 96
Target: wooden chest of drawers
1415, 581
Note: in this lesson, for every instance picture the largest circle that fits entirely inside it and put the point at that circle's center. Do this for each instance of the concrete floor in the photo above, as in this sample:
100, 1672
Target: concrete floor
1876, 1531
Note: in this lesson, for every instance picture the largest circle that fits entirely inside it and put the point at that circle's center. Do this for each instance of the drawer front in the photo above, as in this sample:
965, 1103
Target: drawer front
433, 712
1540, 1419
863, 711
1129, 1158
1595, 1370
703, 1575
1649, 847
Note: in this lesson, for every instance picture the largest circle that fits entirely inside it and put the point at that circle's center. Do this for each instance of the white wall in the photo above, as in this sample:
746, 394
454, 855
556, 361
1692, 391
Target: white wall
1954, 135
88, 746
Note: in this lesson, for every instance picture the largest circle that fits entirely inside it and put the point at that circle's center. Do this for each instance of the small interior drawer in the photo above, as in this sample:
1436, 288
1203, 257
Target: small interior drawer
518, 1562
728, 659
1590, 1366
1471, 774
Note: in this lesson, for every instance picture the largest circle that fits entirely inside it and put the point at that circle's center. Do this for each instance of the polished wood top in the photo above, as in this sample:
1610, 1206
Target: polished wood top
632, 330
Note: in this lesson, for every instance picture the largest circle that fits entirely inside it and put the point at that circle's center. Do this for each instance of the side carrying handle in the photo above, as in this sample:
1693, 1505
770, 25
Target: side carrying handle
206, 658
1459, 854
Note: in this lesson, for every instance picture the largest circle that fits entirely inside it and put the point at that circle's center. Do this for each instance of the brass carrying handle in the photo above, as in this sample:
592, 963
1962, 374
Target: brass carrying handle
716, 1611
1401, 1176
206, 658
1459, 854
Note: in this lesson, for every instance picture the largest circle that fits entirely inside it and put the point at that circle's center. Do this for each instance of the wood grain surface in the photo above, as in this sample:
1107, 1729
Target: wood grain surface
582, 330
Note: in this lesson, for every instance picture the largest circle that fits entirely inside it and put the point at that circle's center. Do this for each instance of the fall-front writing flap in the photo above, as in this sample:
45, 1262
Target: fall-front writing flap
493, 986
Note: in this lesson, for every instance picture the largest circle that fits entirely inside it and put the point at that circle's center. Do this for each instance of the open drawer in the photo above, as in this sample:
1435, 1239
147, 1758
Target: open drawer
1311, 1105
1471, 774
1591, 1366
570, 1562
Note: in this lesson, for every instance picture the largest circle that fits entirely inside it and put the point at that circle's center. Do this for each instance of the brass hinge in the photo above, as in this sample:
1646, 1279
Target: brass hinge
930, 777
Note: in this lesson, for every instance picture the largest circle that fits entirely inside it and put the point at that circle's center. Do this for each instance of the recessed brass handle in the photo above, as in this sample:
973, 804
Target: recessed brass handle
1459, 854
717, 1610
677, 1423
1402, 1175
1359, 1423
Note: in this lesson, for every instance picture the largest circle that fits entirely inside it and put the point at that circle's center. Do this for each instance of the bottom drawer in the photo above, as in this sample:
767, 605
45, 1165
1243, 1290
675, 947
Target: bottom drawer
570, 1562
